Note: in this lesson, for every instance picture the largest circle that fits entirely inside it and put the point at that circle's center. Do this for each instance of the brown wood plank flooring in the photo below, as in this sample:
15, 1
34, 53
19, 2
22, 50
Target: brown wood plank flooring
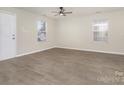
63, 67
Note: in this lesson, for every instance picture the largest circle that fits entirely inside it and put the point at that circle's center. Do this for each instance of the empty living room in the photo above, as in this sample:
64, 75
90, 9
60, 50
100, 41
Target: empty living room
61, 45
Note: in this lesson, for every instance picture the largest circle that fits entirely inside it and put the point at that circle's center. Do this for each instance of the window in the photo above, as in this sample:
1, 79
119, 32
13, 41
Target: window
41, 28
100, 30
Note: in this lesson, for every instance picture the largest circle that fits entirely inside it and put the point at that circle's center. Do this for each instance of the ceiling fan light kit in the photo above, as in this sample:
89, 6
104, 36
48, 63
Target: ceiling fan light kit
62, 14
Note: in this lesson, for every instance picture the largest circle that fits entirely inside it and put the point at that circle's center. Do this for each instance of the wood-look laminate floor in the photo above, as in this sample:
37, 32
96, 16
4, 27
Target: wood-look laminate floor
63, 66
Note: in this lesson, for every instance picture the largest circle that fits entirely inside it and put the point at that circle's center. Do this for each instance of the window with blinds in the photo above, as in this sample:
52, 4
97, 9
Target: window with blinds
41, 28
100, 30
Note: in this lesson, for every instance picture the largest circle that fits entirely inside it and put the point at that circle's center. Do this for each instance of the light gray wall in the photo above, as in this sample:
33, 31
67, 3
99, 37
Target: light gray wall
27, 31
76, 33
68, 32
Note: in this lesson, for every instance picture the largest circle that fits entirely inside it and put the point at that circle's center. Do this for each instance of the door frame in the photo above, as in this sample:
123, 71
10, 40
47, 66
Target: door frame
13, 14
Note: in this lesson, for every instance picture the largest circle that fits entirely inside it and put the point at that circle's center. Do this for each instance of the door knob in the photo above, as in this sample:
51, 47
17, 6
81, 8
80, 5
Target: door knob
13, 38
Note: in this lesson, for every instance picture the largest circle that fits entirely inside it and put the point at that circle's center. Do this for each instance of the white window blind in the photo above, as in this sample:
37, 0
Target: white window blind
41, 28
100, 30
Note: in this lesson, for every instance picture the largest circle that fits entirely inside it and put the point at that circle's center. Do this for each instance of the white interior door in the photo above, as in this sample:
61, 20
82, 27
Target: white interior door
7, 36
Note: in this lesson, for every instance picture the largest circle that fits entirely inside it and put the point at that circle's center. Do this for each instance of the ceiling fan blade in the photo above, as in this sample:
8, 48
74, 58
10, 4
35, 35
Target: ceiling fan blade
68, 12
55, 12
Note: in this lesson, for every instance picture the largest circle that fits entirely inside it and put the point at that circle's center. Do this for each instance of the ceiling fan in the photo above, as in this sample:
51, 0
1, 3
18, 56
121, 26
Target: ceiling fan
61, 12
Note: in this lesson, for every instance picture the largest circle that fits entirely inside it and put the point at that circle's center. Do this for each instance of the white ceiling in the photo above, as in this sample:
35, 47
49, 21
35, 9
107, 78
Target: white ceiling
47, 11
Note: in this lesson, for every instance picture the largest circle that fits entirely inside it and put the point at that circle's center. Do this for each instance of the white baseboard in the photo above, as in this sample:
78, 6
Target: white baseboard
90, 50
28, 53
33, 52
2, 59
118, 53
